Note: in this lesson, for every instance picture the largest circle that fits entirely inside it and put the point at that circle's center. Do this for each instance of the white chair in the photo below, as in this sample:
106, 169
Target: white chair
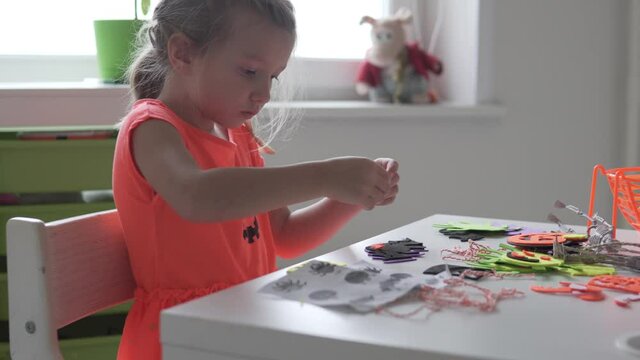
60, 272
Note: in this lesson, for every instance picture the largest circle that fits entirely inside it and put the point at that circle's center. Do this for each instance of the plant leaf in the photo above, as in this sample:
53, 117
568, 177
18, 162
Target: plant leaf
145, 6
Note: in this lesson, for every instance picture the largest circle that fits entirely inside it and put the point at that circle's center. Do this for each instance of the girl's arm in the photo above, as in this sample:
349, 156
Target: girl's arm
307, 228
230, 193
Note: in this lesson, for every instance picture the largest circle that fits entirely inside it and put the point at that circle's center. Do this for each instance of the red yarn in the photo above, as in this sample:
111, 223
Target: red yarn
452, 296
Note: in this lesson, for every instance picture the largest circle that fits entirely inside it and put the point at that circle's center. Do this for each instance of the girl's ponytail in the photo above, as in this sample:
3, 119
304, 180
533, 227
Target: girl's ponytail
150, 65
147, 74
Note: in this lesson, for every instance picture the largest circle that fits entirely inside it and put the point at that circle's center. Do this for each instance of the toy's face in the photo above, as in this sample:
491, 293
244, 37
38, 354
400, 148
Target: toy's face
388, 36
387, 33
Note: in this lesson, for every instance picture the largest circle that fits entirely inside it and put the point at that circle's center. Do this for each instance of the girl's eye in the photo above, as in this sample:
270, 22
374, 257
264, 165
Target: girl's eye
249, 72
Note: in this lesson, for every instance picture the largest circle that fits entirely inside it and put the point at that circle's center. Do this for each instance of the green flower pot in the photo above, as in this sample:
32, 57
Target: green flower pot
115, 44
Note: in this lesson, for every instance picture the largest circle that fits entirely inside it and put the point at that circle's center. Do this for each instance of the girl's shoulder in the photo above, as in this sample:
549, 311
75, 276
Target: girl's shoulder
145, 109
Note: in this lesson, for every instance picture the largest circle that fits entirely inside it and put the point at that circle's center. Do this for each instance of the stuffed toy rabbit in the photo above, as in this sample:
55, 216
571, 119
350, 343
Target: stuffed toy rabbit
394, 70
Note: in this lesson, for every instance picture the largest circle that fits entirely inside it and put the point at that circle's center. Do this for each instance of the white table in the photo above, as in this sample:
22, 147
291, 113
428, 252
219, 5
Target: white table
240, 323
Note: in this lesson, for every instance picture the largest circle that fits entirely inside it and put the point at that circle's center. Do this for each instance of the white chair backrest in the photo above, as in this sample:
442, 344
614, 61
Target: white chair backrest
60, 272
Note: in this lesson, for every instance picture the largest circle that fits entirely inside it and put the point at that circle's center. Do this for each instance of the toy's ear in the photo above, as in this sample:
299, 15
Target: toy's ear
404, 15
368, 20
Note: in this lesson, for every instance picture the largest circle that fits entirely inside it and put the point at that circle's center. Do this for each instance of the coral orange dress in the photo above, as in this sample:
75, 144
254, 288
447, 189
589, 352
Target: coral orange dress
175, 260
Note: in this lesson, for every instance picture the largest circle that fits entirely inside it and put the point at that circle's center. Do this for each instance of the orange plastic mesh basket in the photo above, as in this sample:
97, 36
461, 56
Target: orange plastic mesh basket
625, 188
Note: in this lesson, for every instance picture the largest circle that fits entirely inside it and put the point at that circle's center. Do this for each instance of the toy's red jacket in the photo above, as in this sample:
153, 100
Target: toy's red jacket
421, 61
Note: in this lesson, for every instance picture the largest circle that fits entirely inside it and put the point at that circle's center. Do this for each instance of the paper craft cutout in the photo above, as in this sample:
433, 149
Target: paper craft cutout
581, 291
617, 282
544, 240
457, 270
625, 300
396, 251
465, 231
513, 260
462, 235
592, 291
362, 286
469, 226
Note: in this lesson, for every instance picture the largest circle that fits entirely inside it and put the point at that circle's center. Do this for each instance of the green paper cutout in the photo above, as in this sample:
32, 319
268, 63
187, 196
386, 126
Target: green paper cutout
468, 226
499, 261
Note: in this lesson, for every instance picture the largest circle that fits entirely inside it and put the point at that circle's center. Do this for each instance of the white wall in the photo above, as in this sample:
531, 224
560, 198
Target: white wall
560, 74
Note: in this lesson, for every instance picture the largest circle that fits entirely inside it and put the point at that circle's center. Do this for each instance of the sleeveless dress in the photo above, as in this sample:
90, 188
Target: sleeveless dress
175, 260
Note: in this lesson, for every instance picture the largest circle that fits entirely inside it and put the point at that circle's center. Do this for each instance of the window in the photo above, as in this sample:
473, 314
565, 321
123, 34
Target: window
62, 27
331, 28
331, 43
66, 28
62, 46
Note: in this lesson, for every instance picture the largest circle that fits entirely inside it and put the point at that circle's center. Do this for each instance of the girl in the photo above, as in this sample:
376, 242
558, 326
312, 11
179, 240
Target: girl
199, 211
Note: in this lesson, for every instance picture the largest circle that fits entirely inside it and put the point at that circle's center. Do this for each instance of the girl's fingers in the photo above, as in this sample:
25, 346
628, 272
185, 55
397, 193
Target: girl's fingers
387, 164
395, 179
386, 201
390, 197
390, 191
392, 165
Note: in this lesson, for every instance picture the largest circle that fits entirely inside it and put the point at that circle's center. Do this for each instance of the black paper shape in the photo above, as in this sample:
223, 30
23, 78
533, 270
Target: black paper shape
396, 250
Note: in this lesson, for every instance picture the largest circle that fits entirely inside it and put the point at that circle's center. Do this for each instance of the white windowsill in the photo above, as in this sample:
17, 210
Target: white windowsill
62, 103
372, 111
75, 88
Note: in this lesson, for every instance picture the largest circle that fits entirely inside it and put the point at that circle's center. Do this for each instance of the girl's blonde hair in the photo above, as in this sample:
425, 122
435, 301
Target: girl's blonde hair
205, 22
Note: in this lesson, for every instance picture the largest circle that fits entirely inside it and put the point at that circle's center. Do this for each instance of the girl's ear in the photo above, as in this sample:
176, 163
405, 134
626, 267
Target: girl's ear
180, 52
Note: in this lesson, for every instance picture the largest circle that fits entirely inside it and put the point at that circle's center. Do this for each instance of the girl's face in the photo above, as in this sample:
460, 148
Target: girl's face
232, 81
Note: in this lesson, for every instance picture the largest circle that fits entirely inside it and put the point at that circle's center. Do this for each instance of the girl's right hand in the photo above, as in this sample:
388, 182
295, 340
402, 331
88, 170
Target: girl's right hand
357, 181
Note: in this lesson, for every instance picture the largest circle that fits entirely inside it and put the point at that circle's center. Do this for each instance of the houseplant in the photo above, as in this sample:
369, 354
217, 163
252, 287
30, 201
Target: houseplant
115, 43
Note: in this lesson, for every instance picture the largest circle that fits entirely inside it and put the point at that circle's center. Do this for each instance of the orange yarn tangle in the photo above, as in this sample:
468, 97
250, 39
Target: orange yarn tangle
452, 296
471, 254
458, 293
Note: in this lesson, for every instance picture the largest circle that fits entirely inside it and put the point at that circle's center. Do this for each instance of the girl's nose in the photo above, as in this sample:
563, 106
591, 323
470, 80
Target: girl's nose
262, 93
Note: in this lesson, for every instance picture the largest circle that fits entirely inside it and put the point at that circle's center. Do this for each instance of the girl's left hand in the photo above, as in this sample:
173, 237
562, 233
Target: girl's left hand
391, 166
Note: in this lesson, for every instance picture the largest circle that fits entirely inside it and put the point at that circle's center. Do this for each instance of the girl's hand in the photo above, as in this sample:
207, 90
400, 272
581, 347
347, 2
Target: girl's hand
360, 181
391, 166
